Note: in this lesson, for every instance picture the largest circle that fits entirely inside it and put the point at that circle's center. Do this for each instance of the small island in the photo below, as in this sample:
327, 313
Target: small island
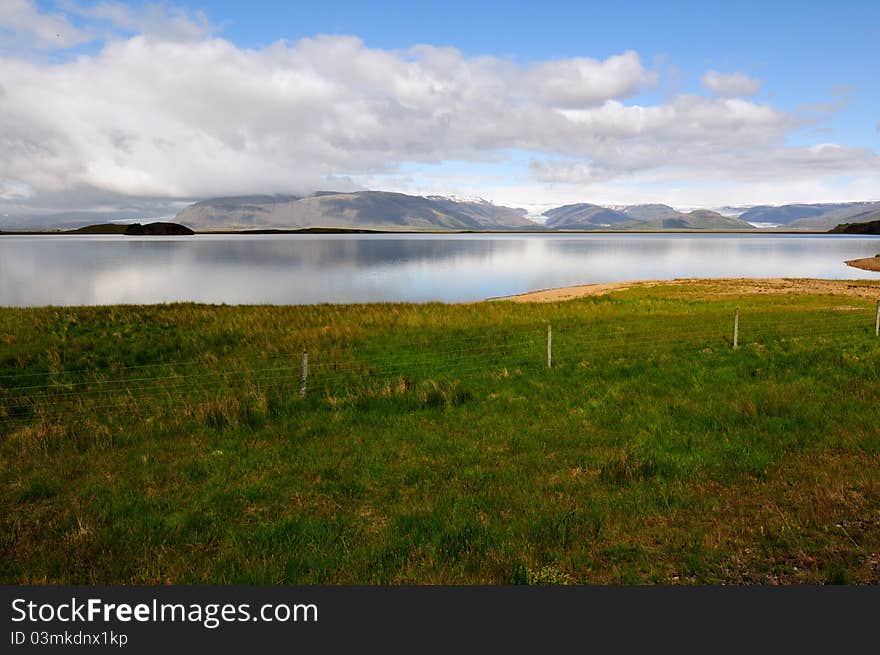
871, 227
136, 229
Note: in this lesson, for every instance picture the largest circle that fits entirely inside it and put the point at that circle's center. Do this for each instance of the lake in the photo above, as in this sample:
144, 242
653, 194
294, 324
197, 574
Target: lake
295, 269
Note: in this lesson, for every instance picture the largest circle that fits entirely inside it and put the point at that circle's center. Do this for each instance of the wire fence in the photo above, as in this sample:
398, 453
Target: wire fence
339, 370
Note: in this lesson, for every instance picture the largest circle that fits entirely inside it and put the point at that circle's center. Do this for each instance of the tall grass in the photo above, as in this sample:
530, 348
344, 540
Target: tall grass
170, 444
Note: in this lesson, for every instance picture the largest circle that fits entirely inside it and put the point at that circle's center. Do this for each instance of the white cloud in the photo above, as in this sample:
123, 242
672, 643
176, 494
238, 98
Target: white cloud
582, 82
152, 117
693, 165
731, 85
173, 112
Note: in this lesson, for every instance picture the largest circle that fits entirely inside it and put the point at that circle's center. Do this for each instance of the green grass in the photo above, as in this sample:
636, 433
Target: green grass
434, 445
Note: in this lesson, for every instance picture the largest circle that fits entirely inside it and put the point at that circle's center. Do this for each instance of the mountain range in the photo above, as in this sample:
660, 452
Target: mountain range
387, 211
584, 216
380, 210
815, 217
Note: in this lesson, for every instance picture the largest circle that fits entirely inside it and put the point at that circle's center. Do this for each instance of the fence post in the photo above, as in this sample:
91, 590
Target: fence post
305, 374
549, 346
877, 320
736, 329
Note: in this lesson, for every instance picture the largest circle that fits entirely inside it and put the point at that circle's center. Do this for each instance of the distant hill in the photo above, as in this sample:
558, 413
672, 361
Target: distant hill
373, 210
806, 216
485, 213
135, 229
871, 227
854, 213
235, 212
700, 219
650, 212
583, 216
781, 215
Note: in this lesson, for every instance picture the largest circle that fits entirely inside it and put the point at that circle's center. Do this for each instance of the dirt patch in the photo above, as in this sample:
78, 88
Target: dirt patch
866, 264
858, 288
567, 293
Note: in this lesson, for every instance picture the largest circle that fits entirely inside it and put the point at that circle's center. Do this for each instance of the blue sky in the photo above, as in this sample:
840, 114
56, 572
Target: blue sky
533, 104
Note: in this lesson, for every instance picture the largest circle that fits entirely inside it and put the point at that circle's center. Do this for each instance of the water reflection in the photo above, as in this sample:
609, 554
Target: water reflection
281, 269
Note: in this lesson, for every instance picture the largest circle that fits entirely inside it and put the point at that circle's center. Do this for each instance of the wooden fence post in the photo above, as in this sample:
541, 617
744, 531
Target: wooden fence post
305, 374
877, 320
736, 329
549, 346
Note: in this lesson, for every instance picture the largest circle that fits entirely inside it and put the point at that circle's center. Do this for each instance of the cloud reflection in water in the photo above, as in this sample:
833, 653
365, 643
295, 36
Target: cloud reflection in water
293, 269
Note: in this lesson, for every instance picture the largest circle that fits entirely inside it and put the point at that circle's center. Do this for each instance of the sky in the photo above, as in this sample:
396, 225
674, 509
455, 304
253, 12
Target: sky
136, 109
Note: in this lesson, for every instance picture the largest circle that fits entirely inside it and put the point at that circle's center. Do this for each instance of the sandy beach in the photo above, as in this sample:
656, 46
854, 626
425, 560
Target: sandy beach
698, 286
866, 264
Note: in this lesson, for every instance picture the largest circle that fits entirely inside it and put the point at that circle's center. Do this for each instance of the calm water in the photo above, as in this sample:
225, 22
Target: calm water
283, 269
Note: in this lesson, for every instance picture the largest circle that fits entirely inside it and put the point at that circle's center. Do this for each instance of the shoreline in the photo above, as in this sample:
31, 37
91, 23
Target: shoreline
866, 288
688, 288
321, 230
866, 263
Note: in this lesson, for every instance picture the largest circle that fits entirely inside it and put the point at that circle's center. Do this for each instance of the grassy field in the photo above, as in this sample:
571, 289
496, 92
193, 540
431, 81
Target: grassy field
170, 444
